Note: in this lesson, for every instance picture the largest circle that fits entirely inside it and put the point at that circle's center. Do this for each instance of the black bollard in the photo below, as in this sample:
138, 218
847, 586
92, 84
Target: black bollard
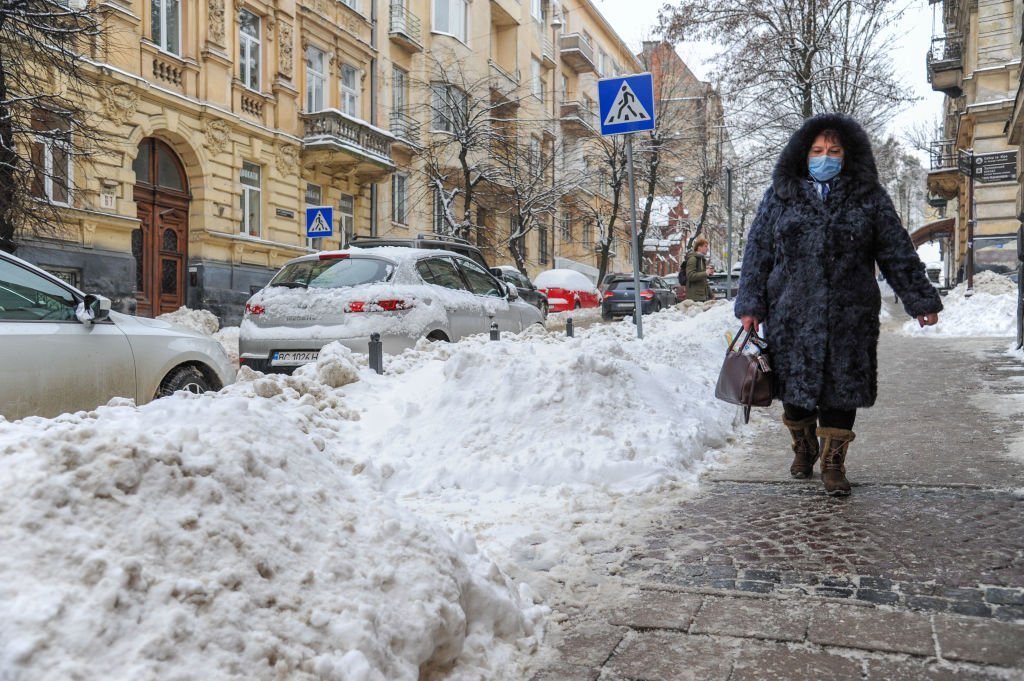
495, 334
568, 327
376, 353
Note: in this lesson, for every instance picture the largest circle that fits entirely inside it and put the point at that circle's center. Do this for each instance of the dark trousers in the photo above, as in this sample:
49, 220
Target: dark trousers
827, 418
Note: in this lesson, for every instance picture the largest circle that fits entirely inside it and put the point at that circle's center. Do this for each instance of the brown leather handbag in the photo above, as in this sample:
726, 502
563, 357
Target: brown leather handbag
746, 377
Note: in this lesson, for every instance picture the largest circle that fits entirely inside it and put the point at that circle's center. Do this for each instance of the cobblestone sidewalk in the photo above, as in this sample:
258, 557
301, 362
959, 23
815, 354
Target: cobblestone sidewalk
918, 575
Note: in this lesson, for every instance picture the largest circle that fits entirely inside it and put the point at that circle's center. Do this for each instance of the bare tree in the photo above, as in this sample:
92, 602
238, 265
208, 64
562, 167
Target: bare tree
605, 180
45, 85
522, 184
465, 123
784, 60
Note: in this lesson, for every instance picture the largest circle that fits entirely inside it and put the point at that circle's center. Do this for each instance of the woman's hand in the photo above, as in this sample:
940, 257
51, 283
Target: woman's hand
750, 321
928, 319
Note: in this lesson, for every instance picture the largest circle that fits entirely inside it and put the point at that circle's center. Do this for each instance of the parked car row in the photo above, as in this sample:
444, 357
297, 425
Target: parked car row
72, 352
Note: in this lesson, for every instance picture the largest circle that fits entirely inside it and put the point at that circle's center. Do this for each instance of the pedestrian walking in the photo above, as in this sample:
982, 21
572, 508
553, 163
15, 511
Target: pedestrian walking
808, 274
697, 271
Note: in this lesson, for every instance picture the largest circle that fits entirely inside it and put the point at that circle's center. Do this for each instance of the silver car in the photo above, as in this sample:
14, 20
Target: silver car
66, 351
403, 294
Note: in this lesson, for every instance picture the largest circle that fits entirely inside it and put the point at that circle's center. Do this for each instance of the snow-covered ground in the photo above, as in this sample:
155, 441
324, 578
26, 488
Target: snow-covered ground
342, 525
990, 311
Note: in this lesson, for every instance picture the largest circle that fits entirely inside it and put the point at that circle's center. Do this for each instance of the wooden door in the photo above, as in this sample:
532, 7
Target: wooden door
160, 244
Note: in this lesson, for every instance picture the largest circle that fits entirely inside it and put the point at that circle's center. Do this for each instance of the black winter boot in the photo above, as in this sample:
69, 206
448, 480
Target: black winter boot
805, 446
835, 442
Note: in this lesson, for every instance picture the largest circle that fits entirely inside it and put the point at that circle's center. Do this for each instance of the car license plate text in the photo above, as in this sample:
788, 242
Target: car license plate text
292, 358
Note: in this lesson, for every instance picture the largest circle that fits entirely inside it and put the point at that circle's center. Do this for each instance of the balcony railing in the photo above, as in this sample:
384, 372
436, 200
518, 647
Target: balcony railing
405, 127
577, 52
943, 154
577, 112
503, 82
404, 26
946, 51
334, 130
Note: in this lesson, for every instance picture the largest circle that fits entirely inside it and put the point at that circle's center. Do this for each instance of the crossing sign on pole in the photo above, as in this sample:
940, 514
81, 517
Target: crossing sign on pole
319, 221
626, 103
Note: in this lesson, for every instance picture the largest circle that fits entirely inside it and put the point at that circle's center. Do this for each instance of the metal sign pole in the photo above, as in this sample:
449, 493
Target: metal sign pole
637, 310
969, 264
728, 207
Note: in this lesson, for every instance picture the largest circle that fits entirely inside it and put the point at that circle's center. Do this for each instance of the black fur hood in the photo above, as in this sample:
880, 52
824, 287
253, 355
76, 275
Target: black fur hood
789, 178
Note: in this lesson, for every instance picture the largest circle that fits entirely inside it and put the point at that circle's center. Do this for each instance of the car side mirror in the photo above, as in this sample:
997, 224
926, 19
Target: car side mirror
511, 292
93, 308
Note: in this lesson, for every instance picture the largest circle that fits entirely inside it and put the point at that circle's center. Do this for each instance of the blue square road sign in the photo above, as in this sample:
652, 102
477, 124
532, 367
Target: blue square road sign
626, 103
319, 221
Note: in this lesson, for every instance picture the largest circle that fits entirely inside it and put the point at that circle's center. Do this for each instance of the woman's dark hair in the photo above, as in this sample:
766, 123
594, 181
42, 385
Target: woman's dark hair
832, 135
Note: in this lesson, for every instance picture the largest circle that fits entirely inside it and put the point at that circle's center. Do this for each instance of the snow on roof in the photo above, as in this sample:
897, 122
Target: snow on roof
567, 279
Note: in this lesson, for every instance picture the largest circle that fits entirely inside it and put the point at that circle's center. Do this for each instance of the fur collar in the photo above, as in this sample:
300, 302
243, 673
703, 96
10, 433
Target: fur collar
859, 174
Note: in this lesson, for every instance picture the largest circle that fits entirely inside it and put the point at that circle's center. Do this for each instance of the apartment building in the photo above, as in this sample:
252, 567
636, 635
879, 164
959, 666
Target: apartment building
976, 64
225, 122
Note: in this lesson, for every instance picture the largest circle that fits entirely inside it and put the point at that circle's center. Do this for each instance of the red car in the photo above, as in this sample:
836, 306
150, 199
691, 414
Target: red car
567, 290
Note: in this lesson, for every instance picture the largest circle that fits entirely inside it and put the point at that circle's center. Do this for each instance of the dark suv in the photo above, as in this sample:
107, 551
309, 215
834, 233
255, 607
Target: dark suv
447, 243
619, 298
527, 291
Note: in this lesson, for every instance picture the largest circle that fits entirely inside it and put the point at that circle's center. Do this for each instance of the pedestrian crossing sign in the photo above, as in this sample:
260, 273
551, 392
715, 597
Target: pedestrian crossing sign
319, 221
626, 103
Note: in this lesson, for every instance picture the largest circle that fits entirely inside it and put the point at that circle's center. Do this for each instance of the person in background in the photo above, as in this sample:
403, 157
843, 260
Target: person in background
808, 274
697, 271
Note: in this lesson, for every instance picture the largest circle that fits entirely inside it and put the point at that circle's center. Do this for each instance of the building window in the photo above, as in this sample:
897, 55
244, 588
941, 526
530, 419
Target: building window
314, 198
252, 190
439, 221
399, 189
450, 16
537, 10
349, 90
520, 241
587, 227
166, 25
536, 84
566, 227
449, 106
316, 77
351, 3
399, 89
535, 153
249, 49
346, 219
542, 243
565, 88
51, 159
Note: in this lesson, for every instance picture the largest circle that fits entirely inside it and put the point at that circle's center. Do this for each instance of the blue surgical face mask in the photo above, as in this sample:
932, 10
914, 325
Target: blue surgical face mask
823, 168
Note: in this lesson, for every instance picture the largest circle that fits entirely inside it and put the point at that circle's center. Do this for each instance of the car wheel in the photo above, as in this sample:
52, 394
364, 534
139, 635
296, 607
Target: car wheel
544, 309
578, 305
657, 308
184, 378
606, 316
438, 337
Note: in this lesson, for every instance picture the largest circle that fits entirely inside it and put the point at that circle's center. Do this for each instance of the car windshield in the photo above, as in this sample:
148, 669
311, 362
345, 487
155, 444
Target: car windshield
333, 273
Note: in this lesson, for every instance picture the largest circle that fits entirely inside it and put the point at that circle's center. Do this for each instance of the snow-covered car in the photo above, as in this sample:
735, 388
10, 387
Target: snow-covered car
403, 294
567, 290
66, 351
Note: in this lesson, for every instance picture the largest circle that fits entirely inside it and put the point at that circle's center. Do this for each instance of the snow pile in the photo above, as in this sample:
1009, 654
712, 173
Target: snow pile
991, 311
200, 321
220, 537
325, 525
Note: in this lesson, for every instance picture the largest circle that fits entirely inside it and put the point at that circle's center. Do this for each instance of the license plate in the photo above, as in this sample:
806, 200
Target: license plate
293, 358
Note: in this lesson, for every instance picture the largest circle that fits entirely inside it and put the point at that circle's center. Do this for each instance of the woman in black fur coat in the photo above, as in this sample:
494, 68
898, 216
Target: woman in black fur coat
809, 274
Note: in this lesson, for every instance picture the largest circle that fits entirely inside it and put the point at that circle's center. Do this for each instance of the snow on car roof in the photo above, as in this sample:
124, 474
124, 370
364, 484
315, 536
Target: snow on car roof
394, 253
567, 279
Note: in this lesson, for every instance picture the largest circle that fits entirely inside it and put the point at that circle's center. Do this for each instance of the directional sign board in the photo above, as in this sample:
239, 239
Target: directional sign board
1000, 166
626, 103
319, 221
